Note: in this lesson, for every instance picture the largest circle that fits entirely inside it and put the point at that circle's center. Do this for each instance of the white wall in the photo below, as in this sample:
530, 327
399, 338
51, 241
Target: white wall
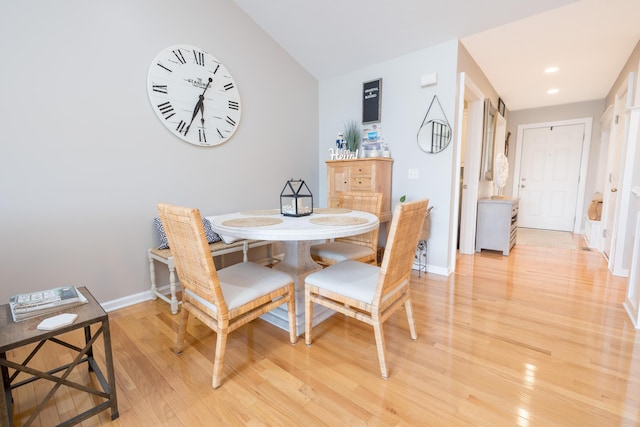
83, 158
404, 105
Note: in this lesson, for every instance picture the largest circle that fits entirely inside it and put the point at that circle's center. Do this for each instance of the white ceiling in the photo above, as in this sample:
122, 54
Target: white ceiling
512, 41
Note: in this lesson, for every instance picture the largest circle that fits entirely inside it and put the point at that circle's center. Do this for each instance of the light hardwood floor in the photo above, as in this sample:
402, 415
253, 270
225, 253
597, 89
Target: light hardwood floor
538, 338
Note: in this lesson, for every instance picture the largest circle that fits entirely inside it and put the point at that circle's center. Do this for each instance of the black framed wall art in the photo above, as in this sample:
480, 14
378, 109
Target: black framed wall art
501, 106
371, 101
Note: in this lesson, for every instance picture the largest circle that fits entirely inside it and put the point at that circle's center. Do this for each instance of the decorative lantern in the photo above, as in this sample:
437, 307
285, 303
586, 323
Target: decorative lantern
296, 199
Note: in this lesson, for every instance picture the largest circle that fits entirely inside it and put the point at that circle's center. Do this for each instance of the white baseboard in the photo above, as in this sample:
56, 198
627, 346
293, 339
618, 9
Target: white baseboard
432, 269
134, 299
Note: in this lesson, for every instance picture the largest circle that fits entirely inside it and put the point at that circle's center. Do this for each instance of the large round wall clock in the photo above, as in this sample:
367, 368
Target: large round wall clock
194, 95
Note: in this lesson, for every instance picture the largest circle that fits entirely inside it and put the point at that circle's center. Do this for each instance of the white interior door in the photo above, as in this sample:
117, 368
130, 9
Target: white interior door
550, 164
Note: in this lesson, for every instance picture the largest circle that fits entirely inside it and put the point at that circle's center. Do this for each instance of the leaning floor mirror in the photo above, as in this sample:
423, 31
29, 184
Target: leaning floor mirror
488, 140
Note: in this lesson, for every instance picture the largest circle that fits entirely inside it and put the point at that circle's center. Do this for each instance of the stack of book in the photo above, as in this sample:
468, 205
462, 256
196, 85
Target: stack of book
40, 303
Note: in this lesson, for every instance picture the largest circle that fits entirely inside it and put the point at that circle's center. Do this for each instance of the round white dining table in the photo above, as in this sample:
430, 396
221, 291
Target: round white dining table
297, 234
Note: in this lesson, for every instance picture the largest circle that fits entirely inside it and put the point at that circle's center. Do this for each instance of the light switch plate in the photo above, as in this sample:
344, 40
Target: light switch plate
413, 174
428, 79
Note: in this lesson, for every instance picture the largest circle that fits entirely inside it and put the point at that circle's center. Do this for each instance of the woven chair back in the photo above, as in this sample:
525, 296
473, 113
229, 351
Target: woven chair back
395, 270
367, 202
188, 243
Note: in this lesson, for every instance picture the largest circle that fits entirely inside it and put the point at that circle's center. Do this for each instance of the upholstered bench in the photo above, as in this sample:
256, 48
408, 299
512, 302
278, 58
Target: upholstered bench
217, 249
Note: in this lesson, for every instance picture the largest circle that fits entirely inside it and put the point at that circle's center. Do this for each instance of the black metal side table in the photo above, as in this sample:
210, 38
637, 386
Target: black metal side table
17, 334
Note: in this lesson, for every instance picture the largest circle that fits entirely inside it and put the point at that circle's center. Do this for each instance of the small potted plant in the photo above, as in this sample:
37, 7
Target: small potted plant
352, 135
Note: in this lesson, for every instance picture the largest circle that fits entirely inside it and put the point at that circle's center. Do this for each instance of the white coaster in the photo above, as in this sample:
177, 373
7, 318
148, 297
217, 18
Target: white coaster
58, 321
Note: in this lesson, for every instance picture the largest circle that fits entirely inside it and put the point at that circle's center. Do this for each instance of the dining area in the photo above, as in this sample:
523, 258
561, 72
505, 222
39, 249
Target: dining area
297, 236
304, 288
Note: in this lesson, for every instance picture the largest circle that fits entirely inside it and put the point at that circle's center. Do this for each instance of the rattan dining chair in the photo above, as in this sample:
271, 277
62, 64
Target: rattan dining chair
367, 292
363, 247
224, 299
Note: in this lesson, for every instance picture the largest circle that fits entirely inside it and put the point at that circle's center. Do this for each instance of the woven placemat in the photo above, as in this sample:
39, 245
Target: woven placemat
338, 220
332, 210
262, 212
251, 222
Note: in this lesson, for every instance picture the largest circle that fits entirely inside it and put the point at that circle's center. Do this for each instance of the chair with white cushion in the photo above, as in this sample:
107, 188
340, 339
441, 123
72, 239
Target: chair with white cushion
367, 292
363, 247
224, 299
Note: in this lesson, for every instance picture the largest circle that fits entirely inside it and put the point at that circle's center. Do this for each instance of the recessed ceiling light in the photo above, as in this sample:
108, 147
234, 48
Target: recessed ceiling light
551, 70
553, 91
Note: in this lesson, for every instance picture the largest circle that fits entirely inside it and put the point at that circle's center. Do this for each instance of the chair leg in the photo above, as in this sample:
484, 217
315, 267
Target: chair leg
221, 346
377, 330
412, 325
308, 316
291, 310
172, 285
182, 330
245, 251
152, 276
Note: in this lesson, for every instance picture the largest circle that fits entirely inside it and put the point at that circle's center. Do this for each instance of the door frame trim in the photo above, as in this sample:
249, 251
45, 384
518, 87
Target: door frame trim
584, 162
469, 91
615, 252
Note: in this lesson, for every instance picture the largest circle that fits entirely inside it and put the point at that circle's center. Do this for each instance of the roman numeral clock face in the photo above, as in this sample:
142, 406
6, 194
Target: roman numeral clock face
194, 95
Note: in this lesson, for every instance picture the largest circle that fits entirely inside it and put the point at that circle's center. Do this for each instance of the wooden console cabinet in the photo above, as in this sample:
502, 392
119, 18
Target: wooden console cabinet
370, 175
497, 224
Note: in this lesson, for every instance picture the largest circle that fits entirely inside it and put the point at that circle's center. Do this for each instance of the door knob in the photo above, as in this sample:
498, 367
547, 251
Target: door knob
522, 186
613, 190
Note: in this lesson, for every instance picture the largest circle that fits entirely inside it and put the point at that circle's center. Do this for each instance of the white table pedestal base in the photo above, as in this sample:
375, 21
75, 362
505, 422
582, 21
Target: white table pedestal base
298, 263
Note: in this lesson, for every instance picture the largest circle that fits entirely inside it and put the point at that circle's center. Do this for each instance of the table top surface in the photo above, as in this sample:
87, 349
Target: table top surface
16, 334
324, 223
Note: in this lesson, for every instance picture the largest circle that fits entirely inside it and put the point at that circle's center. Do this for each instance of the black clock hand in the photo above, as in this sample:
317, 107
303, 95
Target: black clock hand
195, 113
199, 106
202, 135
